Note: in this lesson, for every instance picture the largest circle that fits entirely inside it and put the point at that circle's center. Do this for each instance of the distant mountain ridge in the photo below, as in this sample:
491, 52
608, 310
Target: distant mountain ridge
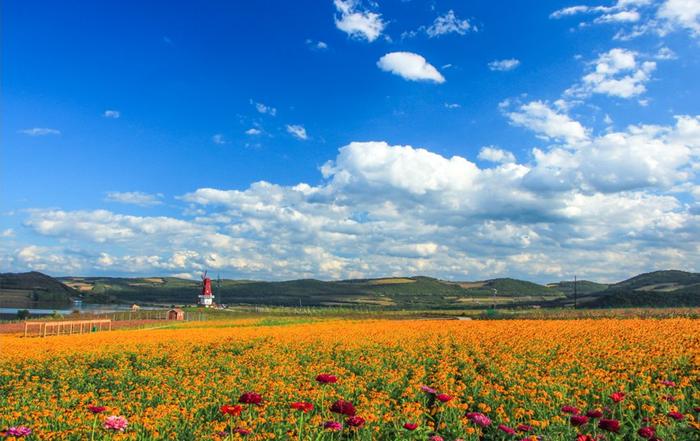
658, 288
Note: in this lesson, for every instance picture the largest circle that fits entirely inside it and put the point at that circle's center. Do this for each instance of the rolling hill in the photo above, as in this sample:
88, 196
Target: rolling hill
32, 289
656, 289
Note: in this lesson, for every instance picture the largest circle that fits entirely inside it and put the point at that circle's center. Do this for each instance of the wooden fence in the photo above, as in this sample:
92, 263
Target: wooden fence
67, 327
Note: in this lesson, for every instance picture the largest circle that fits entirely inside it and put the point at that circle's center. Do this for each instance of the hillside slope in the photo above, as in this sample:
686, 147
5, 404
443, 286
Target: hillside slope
654, 289
24, 290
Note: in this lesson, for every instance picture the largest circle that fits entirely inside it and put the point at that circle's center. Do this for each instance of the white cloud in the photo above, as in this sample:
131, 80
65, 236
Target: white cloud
639, 17
665, 53
447, 24
547, 123
504, 65
494, 154
396, 209
134, 198
317, 45
297, 131
681, 14
616, 73
40, 131
113, 114
410, 66
253, 131
219, 139
264, 109
357, 23
452, 106
9, 232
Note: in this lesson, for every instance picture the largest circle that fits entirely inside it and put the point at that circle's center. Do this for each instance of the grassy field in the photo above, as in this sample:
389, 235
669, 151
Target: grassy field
469, 380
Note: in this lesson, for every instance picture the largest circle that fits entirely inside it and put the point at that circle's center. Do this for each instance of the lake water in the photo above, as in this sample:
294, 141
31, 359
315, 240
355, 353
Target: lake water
82, 307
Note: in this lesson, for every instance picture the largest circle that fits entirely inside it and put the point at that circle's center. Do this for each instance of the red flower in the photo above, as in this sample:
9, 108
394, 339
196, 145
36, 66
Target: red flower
303, 406
583, 437
676, 416
443, 398
570, 409
96, 409
326, 378
609, 425
410, 426
578, 420
597, 413
355, 421
250, 398
506, 429
646, 432
227, 409
617, 396
668, 383
524, 428
343, 407
240, 431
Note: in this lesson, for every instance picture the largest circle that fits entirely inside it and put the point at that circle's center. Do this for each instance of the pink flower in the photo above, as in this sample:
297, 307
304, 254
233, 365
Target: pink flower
19, 431
578, 420
479, 419
115, 423
333, 426
676, 415
436, 438
570, 409
443, 398
506, 429
428, 390
668, 383
617, 396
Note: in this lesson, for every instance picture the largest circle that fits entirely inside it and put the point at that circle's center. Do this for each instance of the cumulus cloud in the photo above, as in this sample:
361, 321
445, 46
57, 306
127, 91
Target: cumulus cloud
548, 123
504, 65
253, 131
449, 23
617, 73
589, 201
297, 131
410, 66
134, 198
358, 23
40, 131
494, 154
112, 114
683, 14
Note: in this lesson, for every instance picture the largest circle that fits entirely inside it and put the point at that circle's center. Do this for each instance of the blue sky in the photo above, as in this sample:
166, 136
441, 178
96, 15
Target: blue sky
279, 140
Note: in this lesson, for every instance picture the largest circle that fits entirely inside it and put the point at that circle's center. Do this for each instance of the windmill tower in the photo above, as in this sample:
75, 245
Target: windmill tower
206, 298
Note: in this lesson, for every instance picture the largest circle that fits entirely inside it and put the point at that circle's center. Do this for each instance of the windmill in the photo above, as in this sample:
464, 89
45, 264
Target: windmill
206, 298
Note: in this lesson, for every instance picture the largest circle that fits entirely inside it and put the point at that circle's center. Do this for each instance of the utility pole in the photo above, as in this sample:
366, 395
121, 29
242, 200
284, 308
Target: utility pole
575, 293
495, 291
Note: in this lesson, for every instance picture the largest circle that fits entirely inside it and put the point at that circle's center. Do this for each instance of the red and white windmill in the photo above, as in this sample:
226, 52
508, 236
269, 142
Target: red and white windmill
206, 298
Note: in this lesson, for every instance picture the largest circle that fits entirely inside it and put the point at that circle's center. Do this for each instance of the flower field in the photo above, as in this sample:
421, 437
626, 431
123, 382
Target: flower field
578, 380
